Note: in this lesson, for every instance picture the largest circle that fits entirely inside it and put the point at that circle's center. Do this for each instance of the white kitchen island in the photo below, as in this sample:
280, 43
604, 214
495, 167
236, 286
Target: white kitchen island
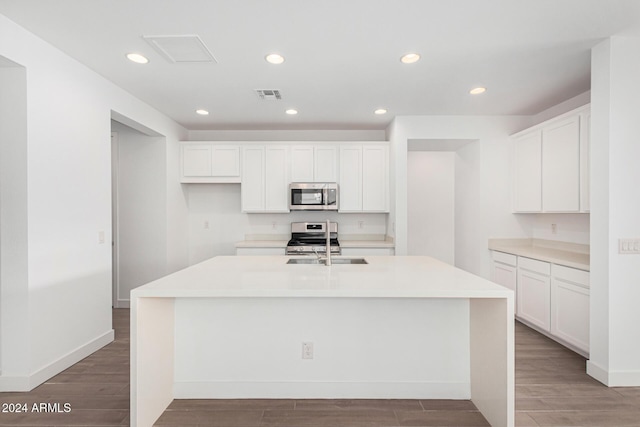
398, 327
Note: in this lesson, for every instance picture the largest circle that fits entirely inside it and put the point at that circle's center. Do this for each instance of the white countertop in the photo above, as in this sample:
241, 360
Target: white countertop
561, 253
271, 276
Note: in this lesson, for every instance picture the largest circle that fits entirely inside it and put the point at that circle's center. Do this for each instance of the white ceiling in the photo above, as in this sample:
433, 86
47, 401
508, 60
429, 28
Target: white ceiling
342, 56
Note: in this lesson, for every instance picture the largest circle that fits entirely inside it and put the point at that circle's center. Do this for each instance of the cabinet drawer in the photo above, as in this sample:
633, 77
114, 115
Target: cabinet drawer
505, 258
571, 275
536, 266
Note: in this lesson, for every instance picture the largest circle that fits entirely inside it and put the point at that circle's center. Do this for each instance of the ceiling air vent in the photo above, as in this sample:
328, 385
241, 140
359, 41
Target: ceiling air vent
181, 49
269, 94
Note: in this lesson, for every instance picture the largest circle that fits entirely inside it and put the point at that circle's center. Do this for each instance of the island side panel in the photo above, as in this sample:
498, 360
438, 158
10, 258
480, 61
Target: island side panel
152, 358
492, 359
363, 348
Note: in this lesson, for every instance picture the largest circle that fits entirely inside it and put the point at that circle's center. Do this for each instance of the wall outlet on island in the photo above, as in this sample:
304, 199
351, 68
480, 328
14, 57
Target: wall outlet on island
307, 350
360, 225
554, 228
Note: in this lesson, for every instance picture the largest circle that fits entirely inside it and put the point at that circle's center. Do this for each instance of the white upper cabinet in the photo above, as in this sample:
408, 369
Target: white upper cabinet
585, 161
202, 162
265, 178
276, 178
561, 166
527, 172
551, 165
350, 180
375, 178
314, 163
252, 194
364, 178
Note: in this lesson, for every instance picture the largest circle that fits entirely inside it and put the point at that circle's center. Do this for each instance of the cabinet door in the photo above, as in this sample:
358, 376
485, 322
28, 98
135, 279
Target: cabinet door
527, 172
225, 161
302, 164
276, 179
505, 275
350, 178
533, 298
253, 188
375, 179
570, 313
196, 160
585, 162
325, 164
561, 166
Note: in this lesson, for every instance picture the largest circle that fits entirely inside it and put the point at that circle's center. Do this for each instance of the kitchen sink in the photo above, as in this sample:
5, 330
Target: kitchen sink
322, 261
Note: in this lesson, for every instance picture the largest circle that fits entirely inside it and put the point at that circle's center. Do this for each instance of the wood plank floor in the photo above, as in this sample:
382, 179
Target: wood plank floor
552, 389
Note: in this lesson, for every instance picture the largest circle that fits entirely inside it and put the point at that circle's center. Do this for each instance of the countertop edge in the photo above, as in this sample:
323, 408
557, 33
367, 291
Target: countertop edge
570, 259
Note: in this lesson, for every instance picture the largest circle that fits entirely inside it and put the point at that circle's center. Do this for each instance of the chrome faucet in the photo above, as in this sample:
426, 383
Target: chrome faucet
328, 244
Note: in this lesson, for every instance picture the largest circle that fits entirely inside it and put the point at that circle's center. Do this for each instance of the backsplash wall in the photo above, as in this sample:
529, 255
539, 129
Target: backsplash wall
216, 222
573, 228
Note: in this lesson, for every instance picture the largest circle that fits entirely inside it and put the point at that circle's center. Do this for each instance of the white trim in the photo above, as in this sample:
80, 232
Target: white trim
30, 382
613, 378
320, 390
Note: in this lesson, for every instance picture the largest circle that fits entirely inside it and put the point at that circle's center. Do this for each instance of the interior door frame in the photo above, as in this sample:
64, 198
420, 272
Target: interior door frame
114, 221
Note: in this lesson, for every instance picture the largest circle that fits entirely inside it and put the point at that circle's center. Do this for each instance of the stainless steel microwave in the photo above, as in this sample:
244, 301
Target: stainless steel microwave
313, 196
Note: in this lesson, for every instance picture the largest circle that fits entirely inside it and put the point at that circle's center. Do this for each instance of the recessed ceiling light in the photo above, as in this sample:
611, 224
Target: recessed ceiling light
410, 58
291, 112
137, 58
202, 112
478, 90
380, 111
274, 58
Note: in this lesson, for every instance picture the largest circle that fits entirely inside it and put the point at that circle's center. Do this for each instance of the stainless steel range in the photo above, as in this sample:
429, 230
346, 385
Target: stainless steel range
309, 238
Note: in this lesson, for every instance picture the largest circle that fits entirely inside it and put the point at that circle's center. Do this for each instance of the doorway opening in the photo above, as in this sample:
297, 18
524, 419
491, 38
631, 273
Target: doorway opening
442, 182
139, 214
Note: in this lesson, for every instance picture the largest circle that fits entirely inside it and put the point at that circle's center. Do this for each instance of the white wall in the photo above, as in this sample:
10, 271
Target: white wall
615, 209
141, 239
431, 210
14, 309
68, 294
572, 228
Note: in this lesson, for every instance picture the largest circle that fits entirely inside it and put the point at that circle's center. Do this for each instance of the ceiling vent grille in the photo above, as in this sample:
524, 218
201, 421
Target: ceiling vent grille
181, 49
269, 94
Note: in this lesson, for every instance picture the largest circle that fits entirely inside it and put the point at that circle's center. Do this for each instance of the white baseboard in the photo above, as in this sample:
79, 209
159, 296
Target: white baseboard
320, 390
28, 383
14, 384
613, 378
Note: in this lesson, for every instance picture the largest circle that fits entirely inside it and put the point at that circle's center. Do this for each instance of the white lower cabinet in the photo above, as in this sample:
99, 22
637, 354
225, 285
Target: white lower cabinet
534, 292
504, 271
570, 306
551, 298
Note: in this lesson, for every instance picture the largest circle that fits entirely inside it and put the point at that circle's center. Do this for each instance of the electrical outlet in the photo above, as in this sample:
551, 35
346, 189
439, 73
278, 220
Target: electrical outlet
101, 237
629, 246
307, 350
360, 225
554, 228
206, 225
273, 225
